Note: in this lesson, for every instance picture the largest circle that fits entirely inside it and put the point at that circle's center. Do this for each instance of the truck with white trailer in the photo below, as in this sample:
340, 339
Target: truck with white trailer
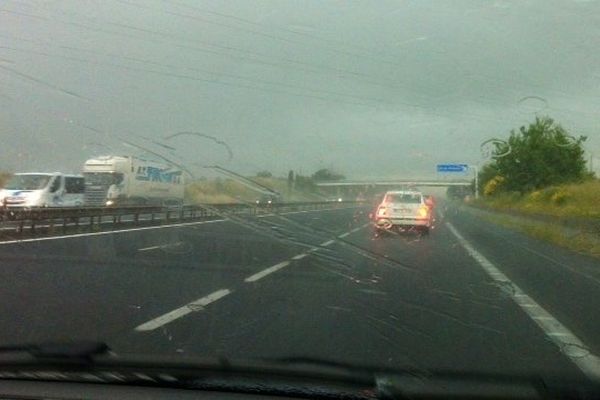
131, 180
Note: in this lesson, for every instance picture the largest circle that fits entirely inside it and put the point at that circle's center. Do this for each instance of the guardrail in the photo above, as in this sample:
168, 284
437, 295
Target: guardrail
35, 221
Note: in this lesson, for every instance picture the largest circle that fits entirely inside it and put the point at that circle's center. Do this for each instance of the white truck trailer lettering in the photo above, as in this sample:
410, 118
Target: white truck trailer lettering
128, 180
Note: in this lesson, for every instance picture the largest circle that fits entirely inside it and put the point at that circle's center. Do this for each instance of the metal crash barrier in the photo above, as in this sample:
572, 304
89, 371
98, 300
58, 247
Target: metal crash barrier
63, 220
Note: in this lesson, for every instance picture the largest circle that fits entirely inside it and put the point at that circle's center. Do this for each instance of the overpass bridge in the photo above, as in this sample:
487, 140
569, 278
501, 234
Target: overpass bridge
352, 188
396, 183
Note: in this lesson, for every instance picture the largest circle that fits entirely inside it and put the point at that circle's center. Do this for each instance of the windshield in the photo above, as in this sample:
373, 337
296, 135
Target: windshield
27, 182
102, 178
390, 185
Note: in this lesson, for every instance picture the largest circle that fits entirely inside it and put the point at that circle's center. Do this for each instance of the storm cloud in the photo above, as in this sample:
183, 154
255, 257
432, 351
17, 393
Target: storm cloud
369, 88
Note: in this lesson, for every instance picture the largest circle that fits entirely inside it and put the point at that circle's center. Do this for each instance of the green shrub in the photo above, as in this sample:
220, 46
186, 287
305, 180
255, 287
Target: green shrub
535, 196
559, 198
549, 192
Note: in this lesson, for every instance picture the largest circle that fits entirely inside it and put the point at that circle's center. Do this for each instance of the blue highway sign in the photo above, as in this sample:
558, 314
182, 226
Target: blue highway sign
452, 167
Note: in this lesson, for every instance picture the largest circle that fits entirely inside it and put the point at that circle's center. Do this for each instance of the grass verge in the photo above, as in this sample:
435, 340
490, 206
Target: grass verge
574, 239
580, 200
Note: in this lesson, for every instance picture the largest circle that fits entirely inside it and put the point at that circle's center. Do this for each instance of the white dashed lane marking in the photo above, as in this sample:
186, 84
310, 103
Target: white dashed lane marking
283, 264
265, 272
162, 246
171, 316
199, 304
149, 248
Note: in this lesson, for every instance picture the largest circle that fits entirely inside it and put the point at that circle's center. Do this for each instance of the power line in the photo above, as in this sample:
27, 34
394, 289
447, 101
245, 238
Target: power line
252, 31
229, 75
312, 66
282, 29
194, 78
230, 48
418, 106
275, 27
43, 83
187, 77
96, 131
302, 66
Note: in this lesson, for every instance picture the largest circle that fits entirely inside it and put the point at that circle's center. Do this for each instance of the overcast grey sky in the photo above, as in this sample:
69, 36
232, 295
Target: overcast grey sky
370, 88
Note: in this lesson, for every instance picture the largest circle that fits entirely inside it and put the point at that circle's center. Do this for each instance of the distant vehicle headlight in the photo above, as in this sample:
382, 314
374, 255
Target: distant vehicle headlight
30, 197
110, 202
340, 200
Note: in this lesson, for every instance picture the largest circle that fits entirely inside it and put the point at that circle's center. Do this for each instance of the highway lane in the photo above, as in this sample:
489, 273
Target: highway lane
96, 285
314, 284
425, 303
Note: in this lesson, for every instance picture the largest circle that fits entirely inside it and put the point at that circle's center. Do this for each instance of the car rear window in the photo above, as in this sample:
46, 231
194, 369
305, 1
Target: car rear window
403, 198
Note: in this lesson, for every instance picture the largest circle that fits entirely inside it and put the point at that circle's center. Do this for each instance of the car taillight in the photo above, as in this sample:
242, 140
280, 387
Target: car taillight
381, 211
423, 211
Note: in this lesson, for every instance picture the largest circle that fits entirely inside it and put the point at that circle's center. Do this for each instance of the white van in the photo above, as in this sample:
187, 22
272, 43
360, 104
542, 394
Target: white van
34, 189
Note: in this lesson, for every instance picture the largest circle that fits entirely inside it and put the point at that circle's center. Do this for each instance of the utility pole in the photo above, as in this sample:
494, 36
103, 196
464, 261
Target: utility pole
475, 169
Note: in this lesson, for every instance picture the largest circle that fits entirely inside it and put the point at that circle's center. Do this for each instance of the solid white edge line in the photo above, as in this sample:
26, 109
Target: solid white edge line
299, 256
79, 235
267, 271
343, 235
182, 311
558, 334
327, 243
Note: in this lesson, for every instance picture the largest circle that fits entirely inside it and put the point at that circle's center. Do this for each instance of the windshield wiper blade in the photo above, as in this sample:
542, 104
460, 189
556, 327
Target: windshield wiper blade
71, 351
324, 362
89, 361
94, 362
392, 383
